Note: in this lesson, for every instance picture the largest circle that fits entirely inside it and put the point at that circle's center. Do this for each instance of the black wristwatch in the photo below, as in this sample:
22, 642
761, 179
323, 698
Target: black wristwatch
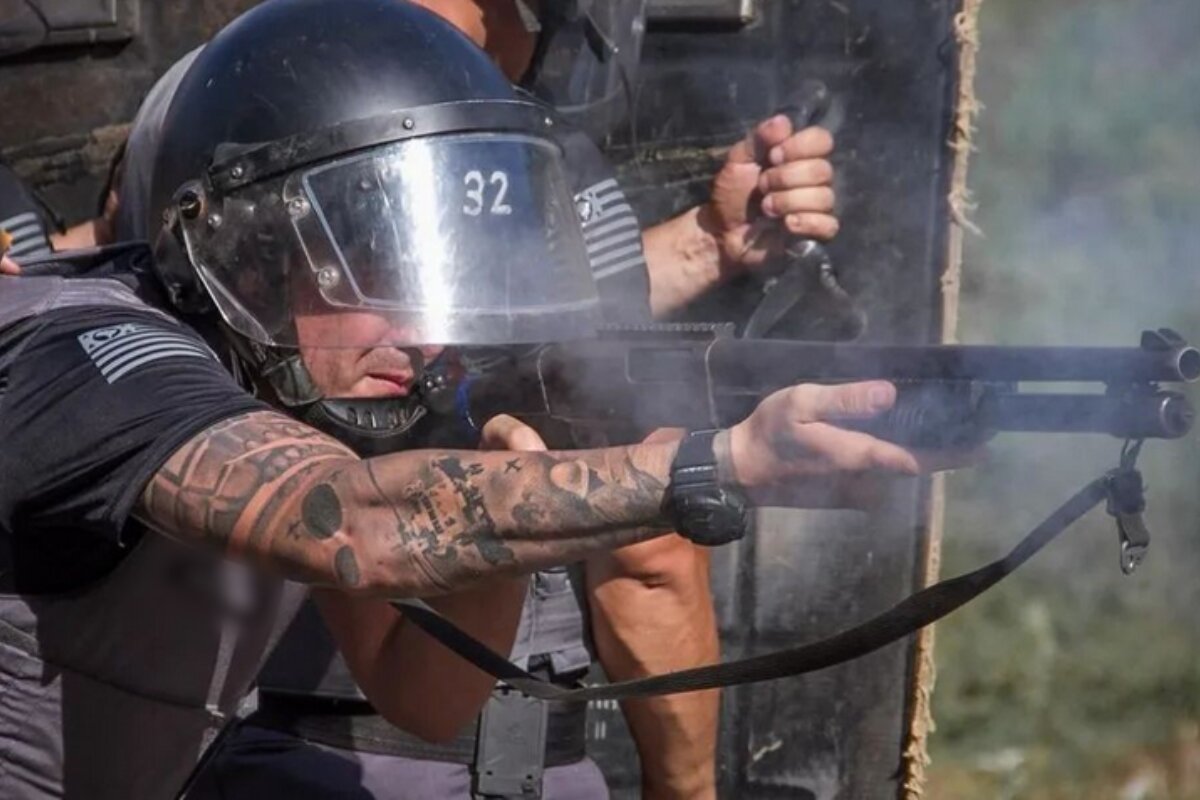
700, 508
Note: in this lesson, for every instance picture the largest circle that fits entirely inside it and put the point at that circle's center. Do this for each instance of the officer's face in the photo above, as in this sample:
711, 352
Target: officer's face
382, 370
386, 370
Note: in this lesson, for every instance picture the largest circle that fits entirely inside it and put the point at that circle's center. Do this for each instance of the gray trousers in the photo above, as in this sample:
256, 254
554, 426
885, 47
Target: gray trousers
255, 763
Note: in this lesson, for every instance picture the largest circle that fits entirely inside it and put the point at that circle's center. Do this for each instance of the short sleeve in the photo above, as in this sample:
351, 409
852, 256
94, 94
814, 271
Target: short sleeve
95, 401
611, 232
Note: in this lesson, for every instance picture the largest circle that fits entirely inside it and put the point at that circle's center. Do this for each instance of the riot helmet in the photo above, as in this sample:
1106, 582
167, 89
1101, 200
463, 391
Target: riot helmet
587, 58
363, 157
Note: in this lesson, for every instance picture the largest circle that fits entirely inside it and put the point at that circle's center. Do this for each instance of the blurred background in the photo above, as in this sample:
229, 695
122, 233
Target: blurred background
1072, 680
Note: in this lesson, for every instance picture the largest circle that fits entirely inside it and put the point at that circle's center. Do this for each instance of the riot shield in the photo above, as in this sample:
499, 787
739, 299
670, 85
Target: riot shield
711, 70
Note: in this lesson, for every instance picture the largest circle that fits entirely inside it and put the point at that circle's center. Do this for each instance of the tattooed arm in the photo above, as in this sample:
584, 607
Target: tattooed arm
269, 489
416, 683
274, 491
423, 523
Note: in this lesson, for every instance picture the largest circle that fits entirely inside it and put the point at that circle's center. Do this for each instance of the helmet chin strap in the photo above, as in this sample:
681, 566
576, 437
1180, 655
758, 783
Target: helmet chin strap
370, 426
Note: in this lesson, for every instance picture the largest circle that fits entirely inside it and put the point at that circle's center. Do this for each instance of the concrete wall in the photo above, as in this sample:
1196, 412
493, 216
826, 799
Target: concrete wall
66, 107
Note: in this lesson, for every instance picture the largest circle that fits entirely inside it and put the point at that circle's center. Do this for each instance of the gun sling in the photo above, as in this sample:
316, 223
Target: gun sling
1121, 487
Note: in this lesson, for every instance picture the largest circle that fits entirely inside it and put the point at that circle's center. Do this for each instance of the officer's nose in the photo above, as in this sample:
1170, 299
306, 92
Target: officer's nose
422, 356
405, 337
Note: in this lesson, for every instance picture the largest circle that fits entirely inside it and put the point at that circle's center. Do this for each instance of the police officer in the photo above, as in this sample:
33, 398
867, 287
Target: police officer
305, 699
312, 718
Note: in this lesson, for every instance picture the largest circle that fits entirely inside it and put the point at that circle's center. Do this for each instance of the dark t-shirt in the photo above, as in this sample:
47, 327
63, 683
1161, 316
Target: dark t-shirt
93, 400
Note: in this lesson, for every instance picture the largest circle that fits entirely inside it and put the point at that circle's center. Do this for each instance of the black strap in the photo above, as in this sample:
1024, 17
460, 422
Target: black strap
908, 616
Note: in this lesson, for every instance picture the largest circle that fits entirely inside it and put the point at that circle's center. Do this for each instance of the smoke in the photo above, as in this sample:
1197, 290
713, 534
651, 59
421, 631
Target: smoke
1087, 172
1087, 180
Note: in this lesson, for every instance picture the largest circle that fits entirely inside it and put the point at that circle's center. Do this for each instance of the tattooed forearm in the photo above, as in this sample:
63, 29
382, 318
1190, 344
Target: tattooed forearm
322, 511
414, 523
345, 566
470, 515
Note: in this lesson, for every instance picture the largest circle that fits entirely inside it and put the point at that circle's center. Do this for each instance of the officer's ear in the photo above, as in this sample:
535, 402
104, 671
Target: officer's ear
172, 260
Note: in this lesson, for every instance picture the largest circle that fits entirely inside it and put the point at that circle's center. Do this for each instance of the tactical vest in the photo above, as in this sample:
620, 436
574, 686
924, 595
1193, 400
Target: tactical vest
114, 691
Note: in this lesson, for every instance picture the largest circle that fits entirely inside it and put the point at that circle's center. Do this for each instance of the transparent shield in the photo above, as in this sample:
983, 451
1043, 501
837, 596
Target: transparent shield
459, 239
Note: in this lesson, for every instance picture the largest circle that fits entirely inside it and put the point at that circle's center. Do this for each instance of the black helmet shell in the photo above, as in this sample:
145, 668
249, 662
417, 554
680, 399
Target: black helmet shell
289, 67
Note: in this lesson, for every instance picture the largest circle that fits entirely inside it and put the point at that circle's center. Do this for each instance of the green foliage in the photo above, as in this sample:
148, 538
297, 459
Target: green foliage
1071, 680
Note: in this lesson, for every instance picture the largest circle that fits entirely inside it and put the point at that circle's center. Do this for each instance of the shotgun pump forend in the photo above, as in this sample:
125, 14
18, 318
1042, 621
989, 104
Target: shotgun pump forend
700, 376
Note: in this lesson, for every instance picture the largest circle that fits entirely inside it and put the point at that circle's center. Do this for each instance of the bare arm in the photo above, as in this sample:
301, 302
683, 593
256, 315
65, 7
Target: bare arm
269, 489
414, 524
652, 613
412, 680
683, 258
266, 488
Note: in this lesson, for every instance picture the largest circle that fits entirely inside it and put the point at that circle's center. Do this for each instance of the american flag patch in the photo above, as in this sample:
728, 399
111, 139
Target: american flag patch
119, 350
610, 229
28, 235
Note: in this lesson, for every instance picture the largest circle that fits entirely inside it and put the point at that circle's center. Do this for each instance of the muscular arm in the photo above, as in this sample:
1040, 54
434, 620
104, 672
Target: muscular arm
652, 612
416, 683
424, 687
269, 489
416, 524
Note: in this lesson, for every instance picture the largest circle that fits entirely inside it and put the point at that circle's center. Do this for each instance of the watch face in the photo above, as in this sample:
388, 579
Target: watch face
700, 508
712, 516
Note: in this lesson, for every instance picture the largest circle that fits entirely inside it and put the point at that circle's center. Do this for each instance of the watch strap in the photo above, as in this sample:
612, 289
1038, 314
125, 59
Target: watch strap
697, 505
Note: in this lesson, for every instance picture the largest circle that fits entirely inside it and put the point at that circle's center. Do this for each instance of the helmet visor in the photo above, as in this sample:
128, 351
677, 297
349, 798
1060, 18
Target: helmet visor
458, 239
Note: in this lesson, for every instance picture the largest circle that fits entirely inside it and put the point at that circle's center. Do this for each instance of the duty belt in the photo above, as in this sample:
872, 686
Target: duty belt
355, 725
